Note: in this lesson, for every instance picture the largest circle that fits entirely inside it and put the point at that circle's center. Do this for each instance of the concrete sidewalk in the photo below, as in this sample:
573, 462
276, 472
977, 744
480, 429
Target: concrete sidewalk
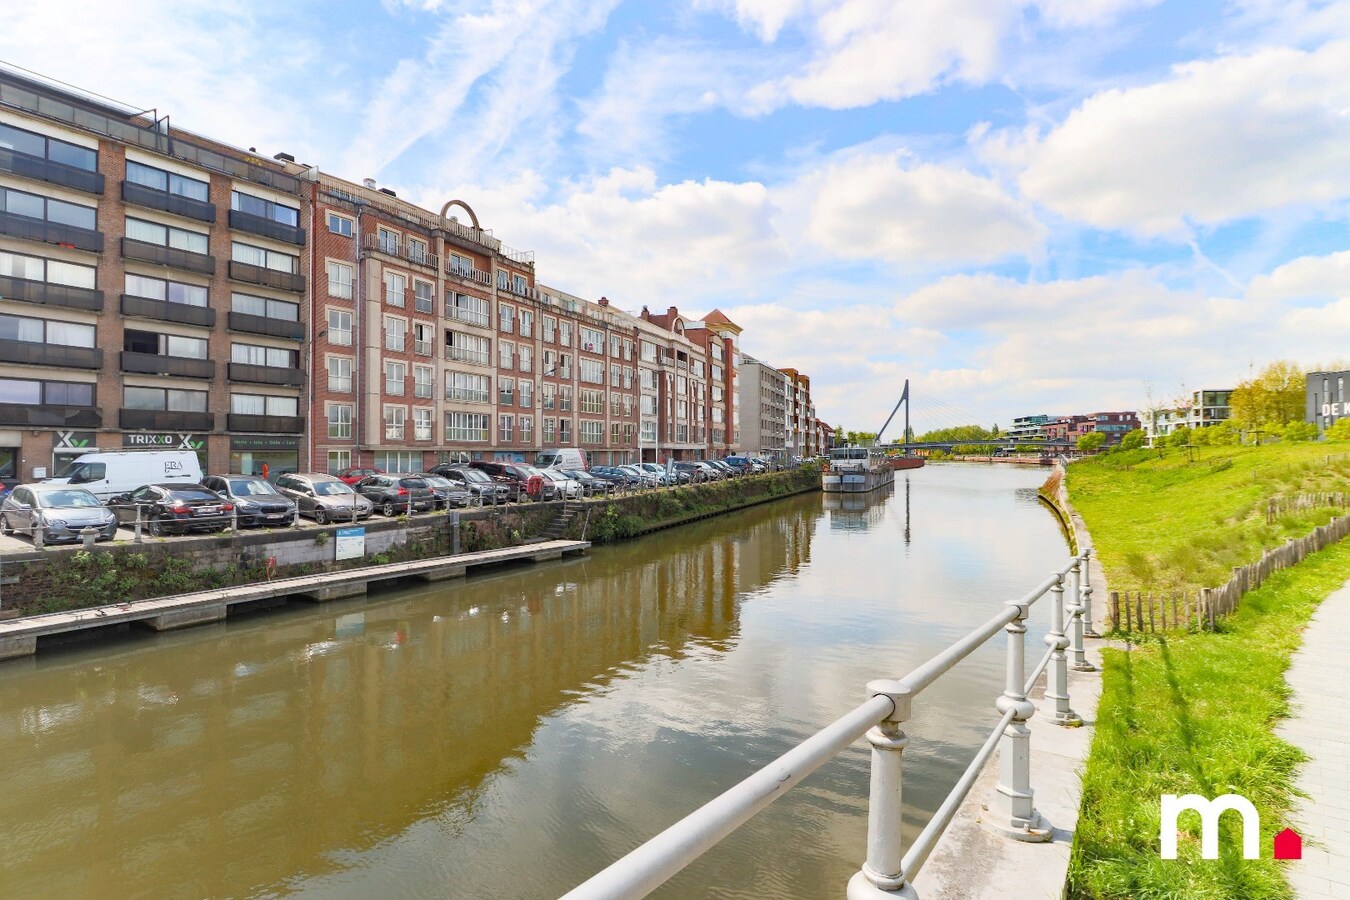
1320, 726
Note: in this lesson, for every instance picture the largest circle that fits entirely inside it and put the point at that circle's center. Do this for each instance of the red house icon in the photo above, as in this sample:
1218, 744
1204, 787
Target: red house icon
1288, 845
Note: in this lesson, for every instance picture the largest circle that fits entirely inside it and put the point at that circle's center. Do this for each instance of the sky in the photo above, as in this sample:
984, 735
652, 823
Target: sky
1022, 206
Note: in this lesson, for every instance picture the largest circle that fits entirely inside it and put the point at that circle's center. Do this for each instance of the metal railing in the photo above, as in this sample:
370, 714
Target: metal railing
889, 869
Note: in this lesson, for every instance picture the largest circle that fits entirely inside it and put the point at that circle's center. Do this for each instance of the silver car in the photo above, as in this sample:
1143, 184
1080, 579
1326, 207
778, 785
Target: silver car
61, 511
324, 498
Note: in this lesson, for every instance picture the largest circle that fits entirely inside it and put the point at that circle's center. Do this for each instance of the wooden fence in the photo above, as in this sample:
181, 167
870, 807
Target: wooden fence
1141, 611
1278, 506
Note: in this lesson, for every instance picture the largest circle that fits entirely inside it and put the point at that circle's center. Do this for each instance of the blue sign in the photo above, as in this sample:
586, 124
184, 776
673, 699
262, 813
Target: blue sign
351, 542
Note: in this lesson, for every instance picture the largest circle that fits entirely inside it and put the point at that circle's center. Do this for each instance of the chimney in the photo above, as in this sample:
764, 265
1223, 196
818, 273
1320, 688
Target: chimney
284, 157
646, 314
604, 301
672, 312
387, 191
369, 182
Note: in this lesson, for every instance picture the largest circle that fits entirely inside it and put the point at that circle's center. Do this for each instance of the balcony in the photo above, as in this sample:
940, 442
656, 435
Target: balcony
49, 294
174, 258
404, 252
474, 357
34, 354
267, 375
283, 328
237, 422
166, 420
26, 416
268, 228
39, 169
159, 364
282, 281
470, 275
31, 229
146, 308
152, 198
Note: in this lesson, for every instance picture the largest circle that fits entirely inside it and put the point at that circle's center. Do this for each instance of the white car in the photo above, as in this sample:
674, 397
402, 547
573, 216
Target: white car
568, 488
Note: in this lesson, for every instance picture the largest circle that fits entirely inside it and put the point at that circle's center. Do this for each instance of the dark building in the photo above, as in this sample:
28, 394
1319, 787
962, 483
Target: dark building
1327, 399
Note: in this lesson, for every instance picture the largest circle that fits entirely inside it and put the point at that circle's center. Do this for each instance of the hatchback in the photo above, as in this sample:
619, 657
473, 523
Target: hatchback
356, 473
61, 512
256, 501
397, 494
324, 498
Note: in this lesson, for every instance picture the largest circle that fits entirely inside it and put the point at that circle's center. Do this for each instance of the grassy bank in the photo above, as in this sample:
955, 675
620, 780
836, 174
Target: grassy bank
1196, 714
1177, 522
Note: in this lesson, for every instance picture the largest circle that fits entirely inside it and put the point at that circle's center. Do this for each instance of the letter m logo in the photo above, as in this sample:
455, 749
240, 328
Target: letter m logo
1209, 811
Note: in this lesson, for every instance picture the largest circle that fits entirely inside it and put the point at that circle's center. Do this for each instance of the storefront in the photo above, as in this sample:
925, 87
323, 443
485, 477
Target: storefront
168, 440
67, 447
265, 455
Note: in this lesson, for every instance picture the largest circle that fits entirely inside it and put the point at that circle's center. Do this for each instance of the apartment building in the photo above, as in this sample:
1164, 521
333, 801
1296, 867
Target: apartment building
151, 288
1327, 398
764, 397
688, 379
1208, 406
1115, 425
802, 436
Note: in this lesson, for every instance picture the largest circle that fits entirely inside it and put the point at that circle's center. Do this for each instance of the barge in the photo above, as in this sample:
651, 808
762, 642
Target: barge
856, 470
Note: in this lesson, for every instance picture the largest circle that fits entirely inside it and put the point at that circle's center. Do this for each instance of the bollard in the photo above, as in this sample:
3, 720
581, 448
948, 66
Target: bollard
234, 519
1012, 812
1080, 662
1088, 630
884, 869
1057, 707
454, 532
88, 535
39, 530
137, 538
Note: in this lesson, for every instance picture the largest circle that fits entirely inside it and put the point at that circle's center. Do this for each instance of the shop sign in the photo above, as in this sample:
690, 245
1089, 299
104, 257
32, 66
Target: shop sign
350, 543
74, 440
263, 442
164, 441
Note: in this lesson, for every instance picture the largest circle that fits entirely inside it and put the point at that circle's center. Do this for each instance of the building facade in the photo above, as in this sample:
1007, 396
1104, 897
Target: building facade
1328, 401
763, 398
1208, 406
802, 436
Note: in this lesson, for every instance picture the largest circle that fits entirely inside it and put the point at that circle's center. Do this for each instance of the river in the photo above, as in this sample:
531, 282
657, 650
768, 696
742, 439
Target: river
507, 735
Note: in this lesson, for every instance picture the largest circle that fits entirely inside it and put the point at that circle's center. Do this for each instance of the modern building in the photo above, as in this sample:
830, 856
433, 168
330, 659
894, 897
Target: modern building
1327, 398
1030, 428
1115, 425
152, 286
763, 398
1208, 406
802, 436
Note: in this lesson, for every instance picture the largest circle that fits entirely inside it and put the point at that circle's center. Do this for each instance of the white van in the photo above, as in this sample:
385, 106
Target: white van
562, 458
109, 473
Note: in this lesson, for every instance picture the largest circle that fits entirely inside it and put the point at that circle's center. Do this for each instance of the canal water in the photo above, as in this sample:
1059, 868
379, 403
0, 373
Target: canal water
507, 735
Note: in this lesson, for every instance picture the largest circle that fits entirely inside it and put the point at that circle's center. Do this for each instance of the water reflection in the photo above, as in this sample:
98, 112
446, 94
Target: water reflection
858, 512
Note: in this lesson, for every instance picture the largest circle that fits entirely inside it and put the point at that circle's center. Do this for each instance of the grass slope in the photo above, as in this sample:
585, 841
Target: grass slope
1195, 714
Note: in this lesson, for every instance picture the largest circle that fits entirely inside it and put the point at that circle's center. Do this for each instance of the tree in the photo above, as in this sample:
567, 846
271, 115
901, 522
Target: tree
1181, 437
1274, 397
1300, 431
1339, 430
1132, 441
1093, 440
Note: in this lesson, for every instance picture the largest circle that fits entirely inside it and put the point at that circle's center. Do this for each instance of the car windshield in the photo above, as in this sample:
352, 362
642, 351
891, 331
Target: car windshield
331, 488
251, 487
65, 499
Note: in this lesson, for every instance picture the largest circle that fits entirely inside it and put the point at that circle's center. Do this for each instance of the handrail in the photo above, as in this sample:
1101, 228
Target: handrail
652, 863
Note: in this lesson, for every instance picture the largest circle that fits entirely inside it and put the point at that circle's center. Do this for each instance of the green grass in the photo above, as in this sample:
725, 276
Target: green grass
1196, 714
1173, 523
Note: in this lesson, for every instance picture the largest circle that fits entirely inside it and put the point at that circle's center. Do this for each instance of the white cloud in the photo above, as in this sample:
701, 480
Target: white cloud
1216, 141
765, 18
1077, 13
1307, 276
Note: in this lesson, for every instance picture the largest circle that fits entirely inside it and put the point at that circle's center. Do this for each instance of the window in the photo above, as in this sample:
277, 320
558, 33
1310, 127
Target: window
265, 209
615, 429
399, 461
422, 419
526, 323
550, 428
550, 363
395, 332
593, 402
508, 427
526, 429
565, 365
32, 392
339, 420
649, 432
648, 351
627, 378
550, 329
592, 371
506, 316
422, 297
506, 391
647, 378
59, 212
468, 348
424, 333
339, 460
564, 398
167, 236
564, 431
166, 291
52, 271
615, 375
592, 432
615, 403
388, 241
718, 374
44, 331
682, 434
592, 340
615, 342
466, 427
550, 392
340, 225
395, 377
339, 280
257, 355
506, 355
628, 351
339, 327
394, 417
466, 388
395, 289
169, 182
697, 368
163, 399
473, 310
34, 144
261, 257
340, 374
519, 284
648, 405
263, 405
526, 394
526, 359
266, 307
163, 344
461, 265
424, 378
565, 334
417, 251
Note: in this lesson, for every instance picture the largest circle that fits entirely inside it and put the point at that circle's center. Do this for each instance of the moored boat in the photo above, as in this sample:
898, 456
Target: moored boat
856, 470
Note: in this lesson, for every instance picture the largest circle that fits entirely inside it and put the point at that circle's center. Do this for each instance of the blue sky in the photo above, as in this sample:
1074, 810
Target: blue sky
1024, 206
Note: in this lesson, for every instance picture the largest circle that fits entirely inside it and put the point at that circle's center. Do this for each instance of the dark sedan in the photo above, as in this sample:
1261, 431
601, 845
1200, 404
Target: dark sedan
591, 484
478, 483
448, 493
173, 508
394, 495
256, 502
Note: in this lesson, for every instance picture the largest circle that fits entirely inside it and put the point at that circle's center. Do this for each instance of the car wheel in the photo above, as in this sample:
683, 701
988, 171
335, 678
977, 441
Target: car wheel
388, 508
154, 528
320, 516
4, 527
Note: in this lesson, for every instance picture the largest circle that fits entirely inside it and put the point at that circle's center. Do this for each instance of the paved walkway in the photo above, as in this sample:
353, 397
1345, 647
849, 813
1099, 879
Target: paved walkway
1321, 727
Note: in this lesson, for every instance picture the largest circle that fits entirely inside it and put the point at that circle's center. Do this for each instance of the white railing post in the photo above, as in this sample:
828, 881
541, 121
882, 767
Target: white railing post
1076, 609
1012, 812
882, 875
1088, 630
1057, 707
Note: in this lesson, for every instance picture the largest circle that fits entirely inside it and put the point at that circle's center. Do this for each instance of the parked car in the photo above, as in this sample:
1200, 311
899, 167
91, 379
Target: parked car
480, 485
395, 495
110, 473
256, 501
172, 507
742, 464
618, 475
62, 512
525, 482
591, 484
667, 478
698, 472
645, 478
561, 458
324, 498
568, 488
448, 493
725, 470
356, 473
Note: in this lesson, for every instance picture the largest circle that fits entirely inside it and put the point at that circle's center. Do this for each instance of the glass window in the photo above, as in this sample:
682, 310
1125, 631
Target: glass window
422, 294
22, 391
339, 327
160, 180
339, 280
340, 225
256, 355
264, 258
263, 405
394, 417
395, 287
395, 377
395, 333
339, 420
422, 419
267, 209
339, 460
266, 307
12, 138
339, 374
